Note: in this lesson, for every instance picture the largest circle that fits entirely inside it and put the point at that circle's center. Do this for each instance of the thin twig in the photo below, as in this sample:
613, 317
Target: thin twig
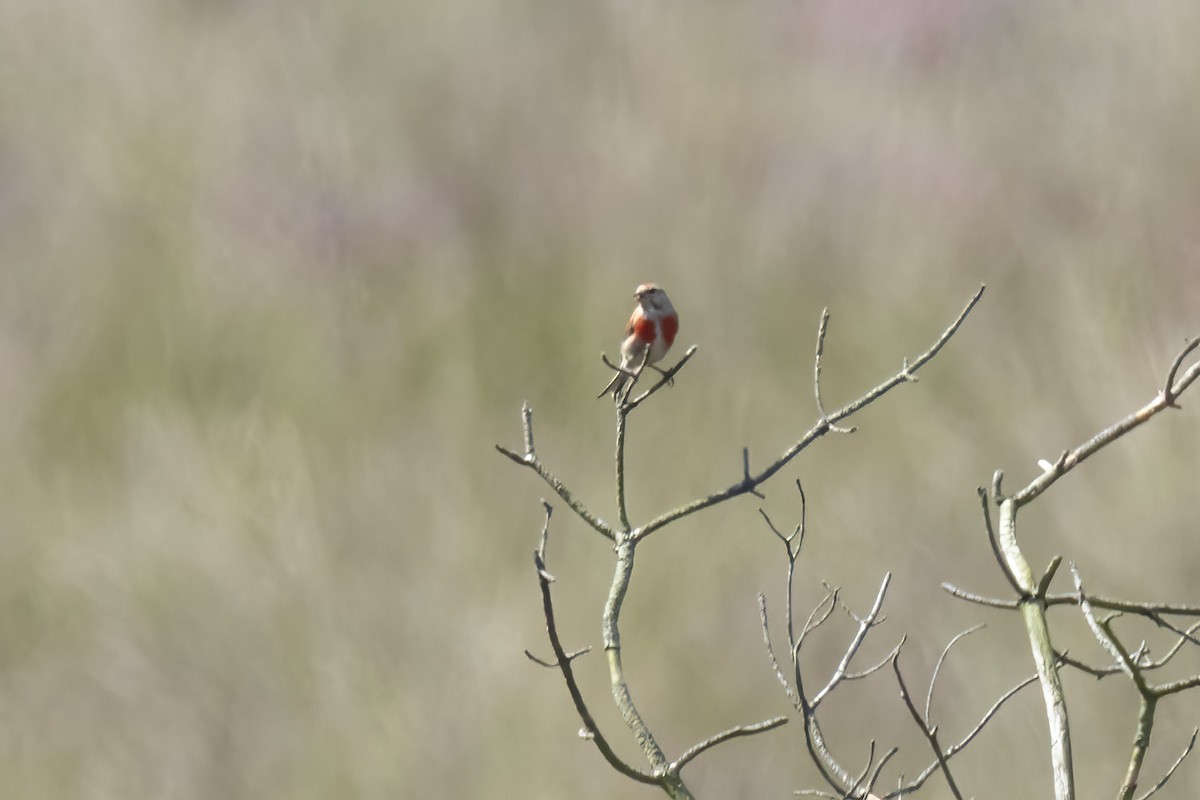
865, 625
883, 662
817, 617
785, 539
564, 665
878, 771
622, 427
746, 473
991, 534
724, 736
1186, 635
554, 664
1113, 604
530, 459
1033, 609
1144, 663
1175, 766
971, 597
787, 688
822, 328
1047, 576
1104, 636
937, 668
667, 377
823, 426
929, 732
919, 781
1166, 398
1169, 391
527, 428
862, 776
1174, 687
793, 555
621, 393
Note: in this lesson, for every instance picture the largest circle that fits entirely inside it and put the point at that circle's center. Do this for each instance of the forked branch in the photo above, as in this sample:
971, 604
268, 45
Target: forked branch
826, 423
563, 662
1033, 597
840, 779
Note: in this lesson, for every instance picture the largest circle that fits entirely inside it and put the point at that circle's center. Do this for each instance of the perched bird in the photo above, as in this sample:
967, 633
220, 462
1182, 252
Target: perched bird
654, 324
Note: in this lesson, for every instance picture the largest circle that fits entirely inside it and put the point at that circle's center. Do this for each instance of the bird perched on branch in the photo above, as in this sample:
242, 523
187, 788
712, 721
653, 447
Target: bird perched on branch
653, 325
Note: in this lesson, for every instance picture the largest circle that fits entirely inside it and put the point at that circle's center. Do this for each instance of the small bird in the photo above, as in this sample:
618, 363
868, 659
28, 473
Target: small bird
654, 324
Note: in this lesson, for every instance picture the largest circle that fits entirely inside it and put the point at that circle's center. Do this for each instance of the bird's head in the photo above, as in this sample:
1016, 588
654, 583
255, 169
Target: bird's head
651, 297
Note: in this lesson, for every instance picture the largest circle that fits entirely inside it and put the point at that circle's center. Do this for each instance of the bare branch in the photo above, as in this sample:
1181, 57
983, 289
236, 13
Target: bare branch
1095, 672
724, 736
564, 665
1185, 635
787, 688
1033, 609
817, 617
883, 662
991, 534
1187, 750
930, 733
937, 668
799, 532
1105, 637
814, 739
527, 428
1170, 390
628, 373
612, 649
919, 781
746, 473
1033, 614
1174, 687
862, 776
554, 664
530, 459
878, 771
864, 625
868, 778
621, 394
971, 597
1072, 458
1134, 667
1141, 743
748, 483
822, 328
908, 370
667, 378
1113, 604
785, 539
1048, 576
619, 468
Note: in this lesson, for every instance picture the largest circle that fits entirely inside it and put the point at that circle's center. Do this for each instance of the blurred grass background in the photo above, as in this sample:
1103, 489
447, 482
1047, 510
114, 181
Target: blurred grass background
275, 276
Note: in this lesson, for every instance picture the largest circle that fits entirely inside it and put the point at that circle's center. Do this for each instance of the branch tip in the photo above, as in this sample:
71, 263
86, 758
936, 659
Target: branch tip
1169, 392
1044, 584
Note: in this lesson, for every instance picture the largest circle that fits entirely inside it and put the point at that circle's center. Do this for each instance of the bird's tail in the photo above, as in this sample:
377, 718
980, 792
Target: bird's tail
615, 386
